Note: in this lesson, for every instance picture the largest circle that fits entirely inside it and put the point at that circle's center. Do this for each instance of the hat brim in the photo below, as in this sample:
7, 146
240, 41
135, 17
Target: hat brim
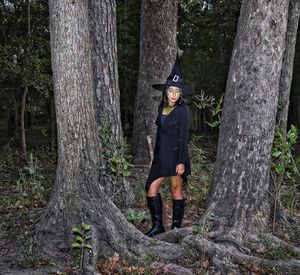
185, 90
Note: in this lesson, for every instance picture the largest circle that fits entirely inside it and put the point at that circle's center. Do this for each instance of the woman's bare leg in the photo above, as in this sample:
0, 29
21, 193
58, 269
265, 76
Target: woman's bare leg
152, 192
176, 187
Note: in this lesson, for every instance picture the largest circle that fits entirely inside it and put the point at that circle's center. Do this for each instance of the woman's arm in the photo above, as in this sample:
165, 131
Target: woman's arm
184, 131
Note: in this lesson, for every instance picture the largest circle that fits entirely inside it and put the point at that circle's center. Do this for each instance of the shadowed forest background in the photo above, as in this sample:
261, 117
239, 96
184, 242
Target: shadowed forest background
206, 33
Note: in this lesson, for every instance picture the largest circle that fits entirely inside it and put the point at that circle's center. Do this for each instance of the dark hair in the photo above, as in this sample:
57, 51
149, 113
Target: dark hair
164, 100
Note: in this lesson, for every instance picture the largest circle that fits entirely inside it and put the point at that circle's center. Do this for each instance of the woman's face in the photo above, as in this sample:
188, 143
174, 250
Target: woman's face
173, 94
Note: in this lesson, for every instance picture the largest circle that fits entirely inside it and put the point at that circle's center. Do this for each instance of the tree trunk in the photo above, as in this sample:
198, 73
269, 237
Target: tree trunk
284, 99
52, 123
238, 195
78, 150
78, 195
102, 16
13, 117
22, 120
294, 115
157, 56
288, 65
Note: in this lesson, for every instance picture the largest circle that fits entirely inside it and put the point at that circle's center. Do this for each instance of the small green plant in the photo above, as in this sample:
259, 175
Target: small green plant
30, 182
105, 134
116, 155
284, 167
213, 105
204, 227
119, 166
153, 242
202, 167
82, 238
135, 218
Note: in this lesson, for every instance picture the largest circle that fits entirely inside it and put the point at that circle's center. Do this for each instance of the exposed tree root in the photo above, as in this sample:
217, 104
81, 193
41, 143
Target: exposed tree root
278, 241
282, 216
225, 252
171, 269
175, 236
111, 232
223, 255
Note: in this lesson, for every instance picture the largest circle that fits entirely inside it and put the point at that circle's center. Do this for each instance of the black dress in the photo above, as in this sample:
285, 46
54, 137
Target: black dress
171, 146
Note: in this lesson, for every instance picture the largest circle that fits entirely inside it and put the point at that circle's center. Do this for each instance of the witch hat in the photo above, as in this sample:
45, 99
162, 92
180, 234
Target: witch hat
175, 79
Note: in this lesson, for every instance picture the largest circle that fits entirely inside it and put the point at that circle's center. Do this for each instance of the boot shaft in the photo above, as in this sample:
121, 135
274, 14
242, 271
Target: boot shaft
155, 207
178, 212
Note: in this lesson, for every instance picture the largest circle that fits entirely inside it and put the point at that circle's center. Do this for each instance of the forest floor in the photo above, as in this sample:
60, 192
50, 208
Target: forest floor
25, 188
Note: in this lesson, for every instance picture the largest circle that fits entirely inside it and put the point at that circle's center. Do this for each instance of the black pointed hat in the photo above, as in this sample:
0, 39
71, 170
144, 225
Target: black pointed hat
175, 79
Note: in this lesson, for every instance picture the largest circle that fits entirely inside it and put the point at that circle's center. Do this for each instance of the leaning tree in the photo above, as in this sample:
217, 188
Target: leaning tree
157, 55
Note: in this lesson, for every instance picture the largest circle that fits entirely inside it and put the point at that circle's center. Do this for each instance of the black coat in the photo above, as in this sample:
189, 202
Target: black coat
171, 146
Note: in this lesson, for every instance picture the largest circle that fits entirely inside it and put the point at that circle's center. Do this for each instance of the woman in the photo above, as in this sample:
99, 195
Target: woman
171, 157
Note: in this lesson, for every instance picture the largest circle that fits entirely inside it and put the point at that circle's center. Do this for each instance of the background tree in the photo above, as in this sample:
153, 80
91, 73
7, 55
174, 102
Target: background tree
288, 65
206, 31
284, 100
294, 112
158, 48
25, 64
128, 26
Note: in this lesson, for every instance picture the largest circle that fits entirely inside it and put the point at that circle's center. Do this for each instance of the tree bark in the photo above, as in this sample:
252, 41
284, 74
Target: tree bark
238, 195
102, 15
284, 98
157, 56
294, 115
288, 65
52, 122
78, 150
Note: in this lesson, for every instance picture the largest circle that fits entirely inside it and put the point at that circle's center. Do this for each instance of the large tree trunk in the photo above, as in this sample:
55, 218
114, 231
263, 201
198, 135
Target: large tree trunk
78, 195
157, 56
78, 146
239, 191
102, 16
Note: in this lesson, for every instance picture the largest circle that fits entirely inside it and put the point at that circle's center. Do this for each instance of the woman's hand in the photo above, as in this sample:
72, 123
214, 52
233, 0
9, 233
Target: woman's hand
180, 168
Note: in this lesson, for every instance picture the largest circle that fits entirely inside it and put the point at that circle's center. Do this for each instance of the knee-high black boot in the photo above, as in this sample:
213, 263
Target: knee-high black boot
178, 211
155, 207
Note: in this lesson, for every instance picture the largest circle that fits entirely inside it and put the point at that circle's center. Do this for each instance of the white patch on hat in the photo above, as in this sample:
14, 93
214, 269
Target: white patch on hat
175, 78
